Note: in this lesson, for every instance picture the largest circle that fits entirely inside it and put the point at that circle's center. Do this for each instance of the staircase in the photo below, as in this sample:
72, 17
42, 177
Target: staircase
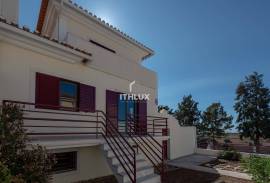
144, 170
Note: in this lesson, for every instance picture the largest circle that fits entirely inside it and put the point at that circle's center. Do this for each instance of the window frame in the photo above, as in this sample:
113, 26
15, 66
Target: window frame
73, 159
77, 97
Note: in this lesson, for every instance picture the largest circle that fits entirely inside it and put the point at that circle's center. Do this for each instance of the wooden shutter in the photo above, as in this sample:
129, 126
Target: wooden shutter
165, 149
112, 107
142, 117
87, 97
47, 91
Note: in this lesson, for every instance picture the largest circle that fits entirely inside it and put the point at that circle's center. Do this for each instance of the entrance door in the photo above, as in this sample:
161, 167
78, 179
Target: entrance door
118, 111
126, 111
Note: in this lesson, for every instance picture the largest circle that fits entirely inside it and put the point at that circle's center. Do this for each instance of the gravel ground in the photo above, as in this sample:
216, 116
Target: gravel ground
234, 166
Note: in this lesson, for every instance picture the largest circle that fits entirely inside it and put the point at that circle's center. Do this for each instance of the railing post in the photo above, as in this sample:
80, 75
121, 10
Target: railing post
97, 125
166, 123
134, 166
106, 126
153, 127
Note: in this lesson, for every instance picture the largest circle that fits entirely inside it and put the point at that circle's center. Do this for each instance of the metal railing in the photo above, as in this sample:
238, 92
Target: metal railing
150, 147
41, 120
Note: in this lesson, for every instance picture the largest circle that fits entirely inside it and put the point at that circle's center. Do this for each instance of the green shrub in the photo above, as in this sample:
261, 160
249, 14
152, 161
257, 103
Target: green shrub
230, 155
5, 176
25, 164
258, 168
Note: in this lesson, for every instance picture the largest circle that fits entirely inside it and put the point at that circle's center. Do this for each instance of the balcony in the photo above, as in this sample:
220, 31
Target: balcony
68, 128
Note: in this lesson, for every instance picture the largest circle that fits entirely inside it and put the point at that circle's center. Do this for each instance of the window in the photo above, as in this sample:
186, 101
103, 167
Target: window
68, 94
52, 92
65, 162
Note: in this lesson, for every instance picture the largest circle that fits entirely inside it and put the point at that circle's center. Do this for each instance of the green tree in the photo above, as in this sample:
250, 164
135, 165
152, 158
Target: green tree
188, 113
165, 107
252, 105
215, 122
25, 164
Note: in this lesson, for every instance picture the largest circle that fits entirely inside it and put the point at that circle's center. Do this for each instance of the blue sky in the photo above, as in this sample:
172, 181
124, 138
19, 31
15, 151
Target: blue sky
203, 47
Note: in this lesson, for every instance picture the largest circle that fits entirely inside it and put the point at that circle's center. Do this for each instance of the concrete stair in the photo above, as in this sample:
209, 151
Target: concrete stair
144, 170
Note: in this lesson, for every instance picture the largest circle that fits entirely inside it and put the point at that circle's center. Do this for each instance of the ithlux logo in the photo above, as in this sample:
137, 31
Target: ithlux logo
133, 96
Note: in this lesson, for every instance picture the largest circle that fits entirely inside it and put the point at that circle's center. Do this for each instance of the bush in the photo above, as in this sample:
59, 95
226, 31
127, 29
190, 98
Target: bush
230, 155
258, 168
5, 176
25, 164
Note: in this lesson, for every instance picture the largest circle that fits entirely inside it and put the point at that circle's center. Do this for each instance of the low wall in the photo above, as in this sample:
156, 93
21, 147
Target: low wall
211, 152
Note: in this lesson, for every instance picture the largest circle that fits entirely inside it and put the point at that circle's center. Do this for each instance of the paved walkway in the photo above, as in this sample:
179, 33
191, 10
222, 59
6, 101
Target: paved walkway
194, 159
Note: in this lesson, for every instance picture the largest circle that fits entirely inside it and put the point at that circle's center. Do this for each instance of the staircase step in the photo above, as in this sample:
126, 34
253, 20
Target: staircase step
110, 153
114, 145
153, 178
139, 164
141, 172
115, 160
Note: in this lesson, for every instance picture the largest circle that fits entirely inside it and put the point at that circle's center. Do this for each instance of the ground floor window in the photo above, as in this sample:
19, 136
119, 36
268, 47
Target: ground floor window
65, 162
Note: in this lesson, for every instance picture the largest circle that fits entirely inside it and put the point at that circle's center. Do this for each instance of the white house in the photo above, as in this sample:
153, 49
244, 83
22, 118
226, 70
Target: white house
86, 95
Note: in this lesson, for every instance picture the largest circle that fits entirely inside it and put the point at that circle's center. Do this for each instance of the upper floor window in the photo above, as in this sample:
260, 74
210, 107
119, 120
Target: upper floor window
68, 94
57, 93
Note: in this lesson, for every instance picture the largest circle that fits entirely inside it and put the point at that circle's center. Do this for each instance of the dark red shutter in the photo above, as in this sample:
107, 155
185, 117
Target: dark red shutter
142, 117
47, 91
87, 97
165, 149
112, 107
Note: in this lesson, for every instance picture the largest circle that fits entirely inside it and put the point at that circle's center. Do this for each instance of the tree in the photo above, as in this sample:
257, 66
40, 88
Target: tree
252, 105
215, 121
165, 107
25, 163
188, 113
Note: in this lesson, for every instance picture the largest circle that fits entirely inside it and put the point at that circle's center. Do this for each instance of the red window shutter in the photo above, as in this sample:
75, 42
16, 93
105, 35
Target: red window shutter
47, 91
87, 101
142, 116
165, 149
112, 107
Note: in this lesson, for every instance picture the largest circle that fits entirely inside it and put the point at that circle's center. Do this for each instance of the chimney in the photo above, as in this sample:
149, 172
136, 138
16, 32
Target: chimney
9, 9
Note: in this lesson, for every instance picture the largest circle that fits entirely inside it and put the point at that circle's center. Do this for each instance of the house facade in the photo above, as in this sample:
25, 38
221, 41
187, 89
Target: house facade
86, 95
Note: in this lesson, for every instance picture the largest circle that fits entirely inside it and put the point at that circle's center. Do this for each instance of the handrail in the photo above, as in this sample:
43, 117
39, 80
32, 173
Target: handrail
151, 156
119, 145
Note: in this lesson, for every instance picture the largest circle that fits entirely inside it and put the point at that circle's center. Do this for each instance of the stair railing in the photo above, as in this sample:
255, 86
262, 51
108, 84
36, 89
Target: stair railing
148, 145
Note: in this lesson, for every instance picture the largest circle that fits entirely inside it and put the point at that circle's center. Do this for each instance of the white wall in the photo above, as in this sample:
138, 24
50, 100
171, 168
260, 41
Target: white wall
17, 76
182, 139
90, 164
10, 10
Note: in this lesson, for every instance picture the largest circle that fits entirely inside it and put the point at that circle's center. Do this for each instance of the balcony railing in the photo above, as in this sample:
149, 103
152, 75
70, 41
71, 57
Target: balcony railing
44, 120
